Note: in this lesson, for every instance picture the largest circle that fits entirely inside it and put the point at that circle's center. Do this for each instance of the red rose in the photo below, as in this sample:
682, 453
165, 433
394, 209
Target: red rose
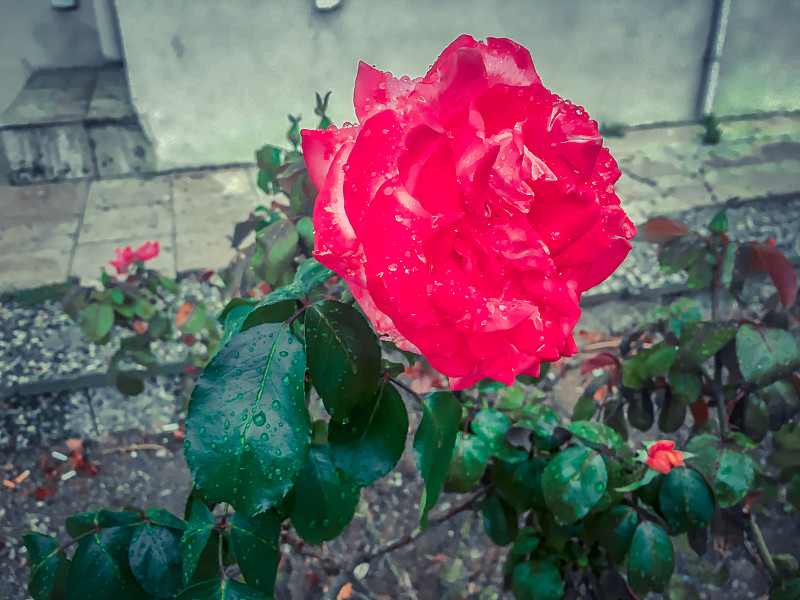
125, 257
661, 456
468, 210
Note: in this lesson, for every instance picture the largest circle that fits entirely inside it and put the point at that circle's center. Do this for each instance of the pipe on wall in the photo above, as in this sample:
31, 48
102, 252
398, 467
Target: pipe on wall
713, 57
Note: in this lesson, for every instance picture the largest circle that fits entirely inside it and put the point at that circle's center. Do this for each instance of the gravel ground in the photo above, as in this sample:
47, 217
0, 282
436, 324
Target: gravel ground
759, 221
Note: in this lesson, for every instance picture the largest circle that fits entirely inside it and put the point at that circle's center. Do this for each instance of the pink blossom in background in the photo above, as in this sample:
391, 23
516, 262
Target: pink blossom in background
125, 257
468, 210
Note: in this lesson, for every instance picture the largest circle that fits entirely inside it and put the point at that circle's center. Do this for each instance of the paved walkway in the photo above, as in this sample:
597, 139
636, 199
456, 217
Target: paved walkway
49, 232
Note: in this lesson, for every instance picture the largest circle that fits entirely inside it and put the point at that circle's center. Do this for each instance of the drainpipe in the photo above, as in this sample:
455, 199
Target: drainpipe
713, 57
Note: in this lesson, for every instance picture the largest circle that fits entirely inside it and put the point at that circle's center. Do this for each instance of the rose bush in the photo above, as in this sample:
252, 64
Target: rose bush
468, 210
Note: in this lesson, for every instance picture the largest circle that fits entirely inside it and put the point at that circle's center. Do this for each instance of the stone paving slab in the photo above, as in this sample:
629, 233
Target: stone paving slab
121, 150
47, 153
38, 232
213, 201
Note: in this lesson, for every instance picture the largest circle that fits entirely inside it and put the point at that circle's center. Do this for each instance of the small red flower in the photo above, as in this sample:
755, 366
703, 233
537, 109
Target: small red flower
125, 257
662, 456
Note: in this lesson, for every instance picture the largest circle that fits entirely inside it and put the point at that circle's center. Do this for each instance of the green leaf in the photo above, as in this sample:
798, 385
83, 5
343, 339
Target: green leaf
145, 309
614, 417
685, 500
234, 320
278, 242
100, 570
793, 491
636, 371
277, 311
543, 420
788, 589
537, 580
433, 446
48, 564
782, 402
169, 284
236, 303
584, 409
297, 198
700, 340
614, 529
81, 523
527, 541
652, 559
491, 426
268, 159
761, 351
734, 477
344, 358
96, 321
129, 383
255, 544
681, 253
155, 560
701, 270
310, 274
673, 415
305, 228
370, 444
596, 435
573, 482
470, 457
617, 476
222, 589
499, 520
248, 429
196, 319
686, 386
788, 436
159, 516
326, 498
706, 454
640, 410
520, 484
719, 224
199, 526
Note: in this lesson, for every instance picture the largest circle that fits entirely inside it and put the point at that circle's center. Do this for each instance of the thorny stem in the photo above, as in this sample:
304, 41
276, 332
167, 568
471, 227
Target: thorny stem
402, 385
761, 546
437, 519
332, 565
719, 396
296, 314
219, 545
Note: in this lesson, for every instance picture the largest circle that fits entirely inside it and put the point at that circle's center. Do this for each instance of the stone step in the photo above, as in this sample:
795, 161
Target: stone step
73, 124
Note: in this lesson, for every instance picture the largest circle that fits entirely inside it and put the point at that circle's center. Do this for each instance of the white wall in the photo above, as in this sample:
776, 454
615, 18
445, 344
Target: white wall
33, 35
214, 80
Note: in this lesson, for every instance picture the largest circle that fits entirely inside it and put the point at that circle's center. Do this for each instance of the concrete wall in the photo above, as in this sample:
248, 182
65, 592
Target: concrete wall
214, 80
760, 70
33, 35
